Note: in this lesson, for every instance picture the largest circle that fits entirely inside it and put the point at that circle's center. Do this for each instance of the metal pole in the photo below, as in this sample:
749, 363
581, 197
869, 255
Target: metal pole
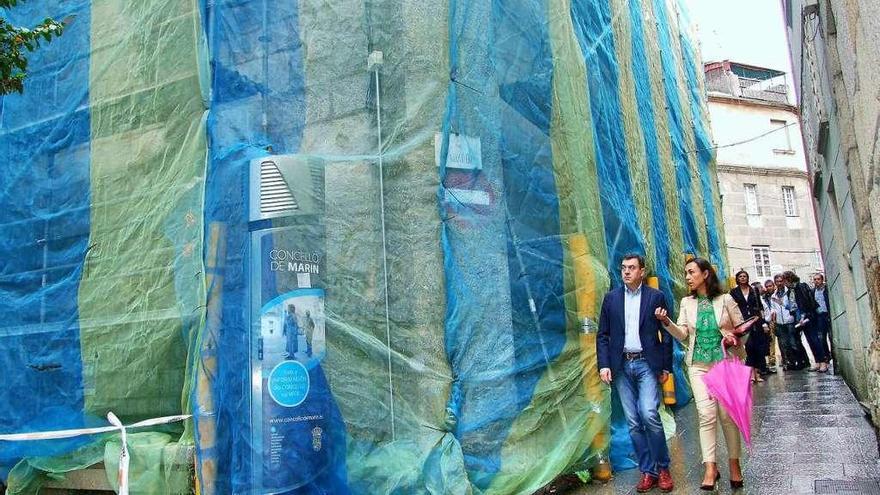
384, 245
45, 279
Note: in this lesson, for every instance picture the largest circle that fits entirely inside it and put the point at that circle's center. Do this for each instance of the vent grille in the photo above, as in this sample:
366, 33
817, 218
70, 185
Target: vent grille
840, 487
317, 175
275, 195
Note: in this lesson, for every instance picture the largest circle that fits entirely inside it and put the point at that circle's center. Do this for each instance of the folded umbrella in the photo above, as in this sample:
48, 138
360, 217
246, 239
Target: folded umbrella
730, 383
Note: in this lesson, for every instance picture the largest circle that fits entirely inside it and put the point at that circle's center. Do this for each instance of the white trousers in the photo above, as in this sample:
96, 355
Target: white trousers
710, 414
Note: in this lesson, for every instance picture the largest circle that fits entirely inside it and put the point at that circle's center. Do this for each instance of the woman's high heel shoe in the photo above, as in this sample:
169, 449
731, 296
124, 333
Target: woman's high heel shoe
711, 488
736, 484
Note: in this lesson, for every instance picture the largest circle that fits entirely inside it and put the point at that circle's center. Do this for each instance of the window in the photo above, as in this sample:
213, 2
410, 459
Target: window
762, 261
788, 201
781, 137
751, 192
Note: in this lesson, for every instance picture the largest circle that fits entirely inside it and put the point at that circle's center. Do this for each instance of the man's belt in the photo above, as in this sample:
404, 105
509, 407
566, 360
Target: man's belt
632, 356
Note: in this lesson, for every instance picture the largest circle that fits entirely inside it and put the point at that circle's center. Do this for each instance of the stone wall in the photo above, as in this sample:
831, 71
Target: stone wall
834, 50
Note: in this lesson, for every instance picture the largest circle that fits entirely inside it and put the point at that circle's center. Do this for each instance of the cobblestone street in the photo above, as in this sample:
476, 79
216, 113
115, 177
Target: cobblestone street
809, 436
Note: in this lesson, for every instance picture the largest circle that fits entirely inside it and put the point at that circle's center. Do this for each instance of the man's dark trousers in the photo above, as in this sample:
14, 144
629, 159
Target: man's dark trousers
635, 377
822, 330
806, 304
785, 333
812, 332
801, 352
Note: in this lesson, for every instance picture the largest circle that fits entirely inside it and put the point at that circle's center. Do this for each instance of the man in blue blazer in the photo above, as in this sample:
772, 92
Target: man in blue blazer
634, 352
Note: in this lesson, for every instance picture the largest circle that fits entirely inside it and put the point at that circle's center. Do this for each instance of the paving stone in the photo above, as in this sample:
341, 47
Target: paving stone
858, 436
854, 456
802, 484
821, 420
768, 486
868, 470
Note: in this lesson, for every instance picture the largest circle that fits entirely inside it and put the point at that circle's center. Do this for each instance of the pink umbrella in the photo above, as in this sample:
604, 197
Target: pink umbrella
730, 383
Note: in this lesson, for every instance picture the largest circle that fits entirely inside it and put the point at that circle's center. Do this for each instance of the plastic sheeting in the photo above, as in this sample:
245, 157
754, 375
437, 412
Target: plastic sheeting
475, 172
101, 284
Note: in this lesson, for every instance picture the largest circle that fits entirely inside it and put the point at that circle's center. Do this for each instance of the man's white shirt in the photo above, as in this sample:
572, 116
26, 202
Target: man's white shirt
632, 308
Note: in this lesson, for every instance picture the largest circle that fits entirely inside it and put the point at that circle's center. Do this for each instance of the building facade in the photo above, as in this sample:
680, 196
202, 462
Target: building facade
768, 214
834, 47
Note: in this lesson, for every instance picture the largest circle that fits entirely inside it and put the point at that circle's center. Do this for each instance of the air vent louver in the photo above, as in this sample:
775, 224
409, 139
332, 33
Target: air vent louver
275, 195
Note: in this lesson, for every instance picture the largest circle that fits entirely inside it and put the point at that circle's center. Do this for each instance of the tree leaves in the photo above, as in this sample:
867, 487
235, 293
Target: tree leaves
16, 43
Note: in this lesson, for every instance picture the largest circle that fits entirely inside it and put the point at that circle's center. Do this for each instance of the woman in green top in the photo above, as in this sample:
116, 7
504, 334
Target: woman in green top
707, 346
705, 318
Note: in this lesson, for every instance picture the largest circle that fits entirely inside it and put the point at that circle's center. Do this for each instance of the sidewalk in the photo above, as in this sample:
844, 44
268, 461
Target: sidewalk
809, 433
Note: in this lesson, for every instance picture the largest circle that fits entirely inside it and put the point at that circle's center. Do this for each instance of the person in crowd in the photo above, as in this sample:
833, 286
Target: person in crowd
749, 303
805, 313
706, 318
759, 289
309, 327
822, 325
291, 331
784, 307
764, 326
634, 353
770, 319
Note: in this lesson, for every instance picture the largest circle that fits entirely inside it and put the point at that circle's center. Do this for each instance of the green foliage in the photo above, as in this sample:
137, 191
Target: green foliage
16, 43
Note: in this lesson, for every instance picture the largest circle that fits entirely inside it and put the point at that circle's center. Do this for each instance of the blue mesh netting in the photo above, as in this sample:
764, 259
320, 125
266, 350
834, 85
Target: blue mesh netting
677, 129
44, 235
703, 153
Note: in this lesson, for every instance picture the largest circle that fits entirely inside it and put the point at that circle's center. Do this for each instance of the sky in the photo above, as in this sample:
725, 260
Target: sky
745, 31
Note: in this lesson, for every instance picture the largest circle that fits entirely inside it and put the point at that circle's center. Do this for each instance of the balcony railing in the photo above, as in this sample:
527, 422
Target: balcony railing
770, 90
767, 90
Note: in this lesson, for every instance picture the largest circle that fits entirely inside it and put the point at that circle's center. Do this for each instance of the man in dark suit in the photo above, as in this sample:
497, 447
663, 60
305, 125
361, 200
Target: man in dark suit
805, 319
635, 353
822, 327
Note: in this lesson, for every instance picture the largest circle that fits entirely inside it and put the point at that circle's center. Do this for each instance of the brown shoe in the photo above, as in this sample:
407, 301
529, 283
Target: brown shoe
646, 483
665, 481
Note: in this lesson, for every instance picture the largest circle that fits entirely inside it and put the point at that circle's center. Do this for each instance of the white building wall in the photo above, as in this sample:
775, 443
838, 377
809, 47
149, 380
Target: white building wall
734, 122
770, 162
792, 240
